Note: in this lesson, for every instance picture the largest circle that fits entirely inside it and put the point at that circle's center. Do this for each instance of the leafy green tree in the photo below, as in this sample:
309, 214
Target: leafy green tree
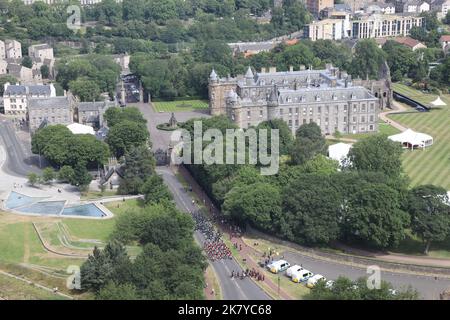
66, 174
258, 204
48, 175
116, 115
27, 62
345, 289
81, 177
309, 142
284, 133
377, 153
33, 178
85, 89
125, 135
4, 79
154, 190
120, 292
373, 215
429, 208
103, 266
139, 166
45, 71
168, 229
312, 209
367, 59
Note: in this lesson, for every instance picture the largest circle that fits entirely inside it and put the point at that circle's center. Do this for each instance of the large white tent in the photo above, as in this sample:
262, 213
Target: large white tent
77, 128
339, 151
438, 102
412, 139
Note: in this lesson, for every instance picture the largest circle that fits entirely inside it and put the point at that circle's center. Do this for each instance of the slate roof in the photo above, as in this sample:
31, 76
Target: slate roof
53, 102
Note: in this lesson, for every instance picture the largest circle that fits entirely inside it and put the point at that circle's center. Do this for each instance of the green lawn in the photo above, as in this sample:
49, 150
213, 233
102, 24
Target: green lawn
13, 289
100, 229
183, 105
431, 165
414, 94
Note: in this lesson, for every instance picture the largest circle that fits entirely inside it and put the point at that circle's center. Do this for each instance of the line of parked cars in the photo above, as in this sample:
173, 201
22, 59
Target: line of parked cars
298, 274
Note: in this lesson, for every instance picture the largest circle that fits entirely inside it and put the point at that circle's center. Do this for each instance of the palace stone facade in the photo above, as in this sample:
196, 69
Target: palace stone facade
327, 97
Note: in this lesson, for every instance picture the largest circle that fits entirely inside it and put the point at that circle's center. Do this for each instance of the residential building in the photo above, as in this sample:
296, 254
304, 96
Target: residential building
316, 6
251, 48
13, 49
379, 26
380, 8
49, 111
42, 54
441, 7
413, 44
327, 97
22, 73
411, 6
328, 29
91, 113
16, 97
445, 43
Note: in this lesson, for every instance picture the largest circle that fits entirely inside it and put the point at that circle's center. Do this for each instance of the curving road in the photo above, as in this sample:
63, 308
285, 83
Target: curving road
20, 161
232, 289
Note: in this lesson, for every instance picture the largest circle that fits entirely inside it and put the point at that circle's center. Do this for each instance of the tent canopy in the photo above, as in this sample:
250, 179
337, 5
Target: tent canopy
339, 151
438, 102
410, 138
77, 128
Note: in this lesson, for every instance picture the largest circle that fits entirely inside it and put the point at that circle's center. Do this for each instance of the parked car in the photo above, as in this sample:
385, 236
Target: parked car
302, 275
311, 283
295, 268
278, 266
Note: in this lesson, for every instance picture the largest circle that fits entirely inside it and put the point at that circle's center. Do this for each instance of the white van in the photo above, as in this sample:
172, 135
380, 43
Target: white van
311, 283
293, 269
302, 275
278, 266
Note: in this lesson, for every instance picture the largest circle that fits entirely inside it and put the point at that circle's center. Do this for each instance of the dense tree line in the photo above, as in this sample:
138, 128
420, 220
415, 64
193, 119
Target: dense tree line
346, 289
311, 202
89, 76
72, 154
170, 265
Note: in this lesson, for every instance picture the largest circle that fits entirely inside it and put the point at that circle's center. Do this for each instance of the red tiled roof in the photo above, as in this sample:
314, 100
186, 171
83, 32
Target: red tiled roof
445, 38
407, 41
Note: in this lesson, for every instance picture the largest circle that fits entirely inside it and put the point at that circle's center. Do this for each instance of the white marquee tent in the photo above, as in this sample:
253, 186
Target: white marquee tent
77, 128
412, 139
438, 102
339, 151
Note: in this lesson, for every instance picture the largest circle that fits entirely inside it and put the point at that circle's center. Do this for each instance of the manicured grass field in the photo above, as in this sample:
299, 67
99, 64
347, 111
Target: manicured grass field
414, 94
184, 105
431, 165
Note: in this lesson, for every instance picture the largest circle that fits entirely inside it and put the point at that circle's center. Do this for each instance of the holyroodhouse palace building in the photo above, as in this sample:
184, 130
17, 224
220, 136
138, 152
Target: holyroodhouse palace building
327, 97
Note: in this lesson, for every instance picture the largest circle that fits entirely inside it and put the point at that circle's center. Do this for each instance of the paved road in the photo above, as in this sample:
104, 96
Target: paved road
428, 287
161, 139
232, 289
20, 160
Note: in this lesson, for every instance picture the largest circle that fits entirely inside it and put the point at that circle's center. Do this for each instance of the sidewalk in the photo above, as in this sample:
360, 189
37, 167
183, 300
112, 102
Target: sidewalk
398, 108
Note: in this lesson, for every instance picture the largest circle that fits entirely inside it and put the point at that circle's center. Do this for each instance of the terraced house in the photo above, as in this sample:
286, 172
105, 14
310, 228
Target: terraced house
326, 97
